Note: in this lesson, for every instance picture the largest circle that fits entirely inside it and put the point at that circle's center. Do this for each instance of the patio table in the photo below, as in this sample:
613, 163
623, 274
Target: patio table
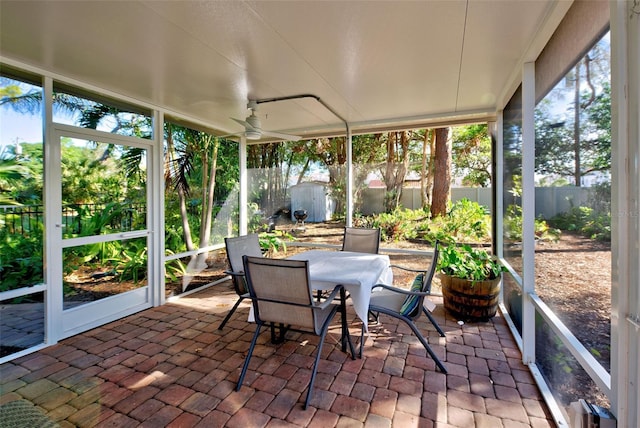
357, 272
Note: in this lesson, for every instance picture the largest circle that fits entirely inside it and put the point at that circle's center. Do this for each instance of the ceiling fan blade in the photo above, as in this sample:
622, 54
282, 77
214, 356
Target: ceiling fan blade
286, 137
245, 124
236, 135
250, 131
249, 128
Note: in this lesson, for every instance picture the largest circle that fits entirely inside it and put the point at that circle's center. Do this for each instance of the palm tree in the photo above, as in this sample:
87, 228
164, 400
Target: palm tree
11, 172
31, 102
192, 154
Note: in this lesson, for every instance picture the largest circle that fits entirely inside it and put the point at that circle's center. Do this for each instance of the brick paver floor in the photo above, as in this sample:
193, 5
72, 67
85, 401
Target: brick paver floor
170, 366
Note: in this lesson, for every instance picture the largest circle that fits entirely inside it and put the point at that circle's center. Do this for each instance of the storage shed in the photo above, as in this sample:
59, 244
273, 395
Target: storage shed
315, 199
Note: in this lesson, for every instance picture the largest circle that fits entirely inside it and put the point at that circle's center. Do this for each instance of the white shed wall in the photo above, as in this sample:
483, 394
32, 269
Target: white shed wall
314, 198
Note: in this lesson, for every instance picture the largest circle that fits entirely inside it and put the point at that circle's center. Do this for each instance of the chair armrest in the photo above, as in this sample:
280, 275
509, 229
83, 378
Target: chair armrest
232, 273
408, 269
329, 299
401, 290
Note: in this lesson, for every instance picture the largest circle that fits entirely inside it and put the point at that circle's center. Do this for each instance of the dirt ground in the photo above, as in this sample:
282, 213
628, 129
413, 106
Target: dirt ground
573, 277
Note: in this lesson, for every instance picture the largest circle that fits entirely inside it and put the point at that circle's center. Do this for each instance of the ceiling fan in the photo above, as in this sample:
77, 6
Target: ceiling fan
253, 128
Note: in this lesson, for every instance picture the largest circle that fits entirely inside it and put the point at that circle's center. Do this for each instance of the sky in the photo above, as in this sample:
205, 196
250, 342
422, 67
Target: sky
25, 128
16, 127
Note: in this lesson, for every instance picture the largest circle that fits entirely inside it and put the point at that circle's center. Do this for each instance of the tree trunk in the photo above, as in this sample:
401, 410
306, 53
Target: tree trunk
403, 167
395, 169
186, 229
188, 242
426, 176
432, 163
304, 170
208, 192
209, 163
576, 129
389, 176
442, 173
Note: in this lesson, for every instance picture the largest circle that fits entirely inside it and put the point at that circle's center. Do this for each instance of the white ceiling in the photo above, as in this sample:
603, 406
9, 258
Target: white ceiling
382, 63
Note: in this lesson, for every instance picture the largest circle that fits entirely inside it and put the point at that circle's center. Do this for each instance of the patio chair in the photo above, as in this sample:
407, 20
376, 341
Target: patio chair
281, 294
361, 240
407, 305
236, 248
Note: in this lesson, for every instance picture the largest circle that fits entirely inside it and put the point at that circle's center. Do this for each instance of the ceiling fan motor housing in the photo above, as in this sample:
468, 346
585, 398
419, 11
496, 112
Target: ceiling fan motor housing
254, 121
255, 133
252, 135
253, 127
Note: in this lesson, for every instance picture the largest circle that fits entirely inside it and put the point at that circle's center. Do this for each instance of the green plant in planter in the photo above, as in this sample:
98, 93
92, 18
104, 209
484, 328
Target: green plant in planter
470, 280
469, 263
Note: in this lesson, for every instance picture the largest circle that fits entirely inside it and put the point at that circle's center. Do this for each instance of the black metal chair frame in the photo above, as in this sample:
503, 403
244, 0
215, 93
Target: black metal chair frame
325, 305
235, 268
410, 318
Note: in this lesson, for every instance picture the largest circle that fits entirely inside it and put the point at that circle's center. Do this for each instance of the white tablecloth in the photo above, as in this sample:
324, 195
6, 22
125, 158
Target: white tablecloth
357, 272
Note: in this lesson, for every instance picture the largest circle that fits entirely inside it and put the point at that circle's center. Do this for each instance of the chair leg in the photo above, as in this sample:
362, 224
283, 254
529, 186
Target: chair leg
426, 346
282, 330
272, 328
433, 321
346, 337
224, 321
351, 347
325, 328
246, 361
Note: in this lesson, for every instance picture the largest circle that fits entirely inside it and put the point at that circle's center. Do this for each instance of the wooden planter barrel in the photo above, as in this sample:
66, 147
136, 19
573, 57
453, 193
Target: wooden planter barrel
471, 301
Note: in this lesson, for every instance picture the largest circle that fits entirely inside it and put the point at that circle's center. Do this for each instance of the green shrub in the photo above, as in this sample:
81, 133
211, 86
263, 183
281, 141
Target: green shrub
466, 221
20, 260
174, 270
512, 222
585, 221
131, 264
513, 226
273, 242
400, 224
544, 232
